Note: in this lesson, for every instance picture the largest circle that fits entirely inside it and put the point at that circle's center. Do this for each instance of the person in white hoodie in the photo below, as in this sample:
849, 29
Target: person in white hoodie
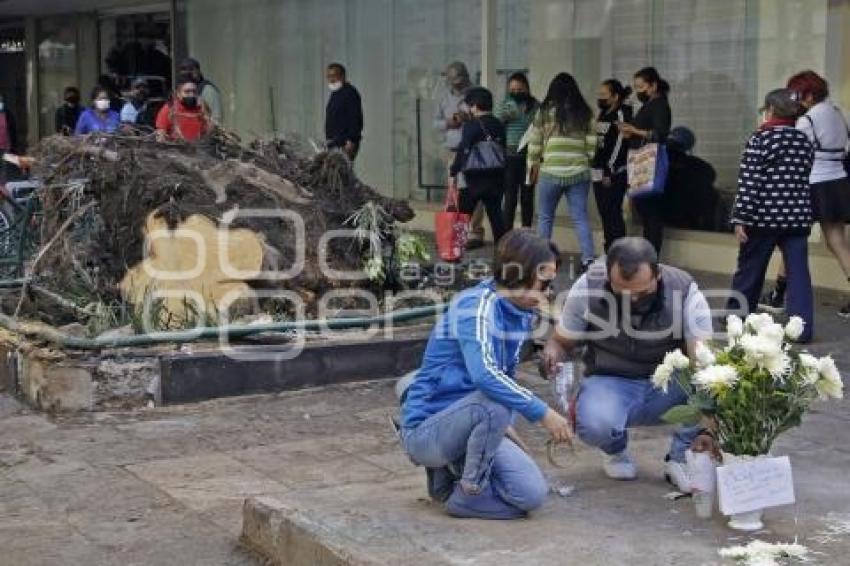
825, 126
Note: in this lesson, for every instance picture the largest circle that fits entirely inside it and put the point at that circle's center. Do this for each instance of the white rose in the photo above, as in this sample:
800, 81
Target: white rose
734, 327
760, 351
757, 321
811, 368
661, 377
716, 377
773, 332
778, 366
829, 384
705, 357
794, 328
677, 359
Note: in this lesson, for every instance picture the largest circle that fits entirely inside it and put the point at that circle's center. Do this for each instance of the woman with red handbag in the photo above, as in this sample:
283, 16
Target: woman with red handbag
481, 158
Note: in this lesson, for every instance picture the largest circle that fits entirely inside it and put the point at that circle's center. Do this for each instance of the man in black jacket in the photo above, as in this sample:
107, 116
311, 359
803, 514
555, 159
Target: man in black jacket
69, 112
344, 114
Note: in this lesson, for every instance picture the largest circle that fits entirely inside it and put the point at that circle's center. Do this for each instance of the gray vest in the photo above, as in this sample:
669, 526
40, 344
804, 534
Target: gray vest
634, 348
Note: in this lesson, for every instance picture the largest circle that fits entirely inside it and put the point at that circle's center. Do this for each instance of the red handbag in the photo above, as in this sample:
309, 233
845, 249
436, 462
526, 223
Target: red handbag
451, 227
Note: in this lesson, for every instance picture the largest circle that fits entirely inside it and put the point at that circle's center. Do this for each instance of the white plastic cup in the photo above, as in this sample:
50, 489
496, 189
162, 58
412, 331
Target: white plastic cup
703, 504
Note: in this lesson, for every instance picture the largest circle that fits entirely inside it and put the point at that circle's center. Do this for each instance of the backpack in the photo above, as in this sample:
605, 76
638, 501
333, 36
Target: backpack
842, 152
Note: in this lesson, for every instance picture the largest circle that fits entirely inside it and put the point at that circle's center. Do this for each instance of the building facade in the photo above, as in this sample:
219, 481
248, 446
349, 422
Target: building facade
268, 58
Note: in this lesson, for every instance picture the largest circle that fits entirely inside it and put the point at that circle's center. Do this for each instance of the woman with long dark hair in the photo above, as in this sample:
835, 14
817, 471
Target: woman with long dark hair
651, 124
516, 113
609, 163
563, 138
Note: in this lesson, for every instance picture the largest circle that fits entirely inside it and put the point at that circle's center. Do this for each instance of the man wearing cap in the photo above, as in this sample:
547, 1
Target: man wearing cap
208, 92
136, 102
449, 116
773, 208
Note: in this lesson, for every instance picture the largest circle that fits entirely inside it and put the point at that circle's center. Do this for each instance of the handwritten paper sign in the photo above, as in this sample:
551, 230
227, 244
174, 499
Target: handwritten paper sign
755, 484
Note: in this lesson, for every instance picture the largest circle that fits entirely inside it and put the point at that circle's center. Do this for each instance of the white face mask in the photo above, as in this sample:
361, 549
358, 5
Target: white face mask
334, 86
2, 106
101, 104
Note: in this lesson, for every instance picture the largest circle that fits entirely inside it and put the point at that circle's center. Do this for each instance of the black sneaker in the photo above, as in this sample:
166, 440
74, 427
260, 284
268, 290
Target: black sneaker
844, 312
773, 301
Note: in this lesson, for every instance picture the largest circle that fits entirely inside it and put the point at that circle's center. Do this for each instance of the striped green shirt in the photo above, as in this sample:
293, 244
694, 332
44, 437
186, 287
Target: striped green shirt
516, 121
566, 156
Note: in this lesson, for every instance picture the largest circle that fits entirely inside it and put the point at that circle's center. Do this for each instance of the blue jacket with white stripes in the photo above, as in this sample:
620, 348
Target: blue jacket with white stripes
475, 345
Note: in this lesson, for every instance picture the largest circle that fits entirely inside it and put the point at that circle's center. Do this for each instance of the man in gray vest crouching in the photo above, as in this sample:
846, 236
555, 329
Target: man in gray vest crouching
628, 313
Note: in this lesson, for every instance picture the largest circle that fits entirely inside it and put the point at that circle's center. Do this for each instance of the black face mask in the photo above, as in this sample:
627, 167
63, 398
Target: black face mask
602, 104
73, 101
521, 97
643, 97
190, 101
642, 306
645, 304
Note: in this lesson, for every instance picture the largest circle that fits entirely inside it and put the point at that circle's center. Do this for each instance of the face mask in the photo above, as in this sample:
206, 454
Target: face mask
2, 106
643, 97
602, 104
101, 104
334, 86
72, 101
190, 101
521, 97
645, 304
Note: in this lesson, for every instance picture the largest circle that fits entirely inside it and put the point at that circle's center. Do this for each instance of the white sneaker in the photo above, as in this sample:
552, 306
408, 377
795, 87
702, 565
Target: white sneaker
620, 466
676, 473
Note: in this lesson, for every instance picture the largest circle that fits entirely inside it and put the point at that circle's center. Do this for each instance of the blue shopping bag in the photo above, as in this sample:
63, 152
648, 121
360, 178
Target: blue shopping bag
647, 169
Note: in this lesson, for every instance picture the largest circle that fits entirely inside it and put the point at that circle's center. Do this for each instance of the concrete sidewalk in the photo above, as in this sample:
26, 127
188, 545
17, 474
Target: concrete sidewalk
166, 486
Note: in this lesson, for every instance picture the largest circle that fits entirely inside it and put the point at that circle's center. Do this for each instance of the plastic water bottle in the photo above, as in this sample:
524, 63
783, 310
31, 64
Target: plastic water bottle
701, 470
562, 384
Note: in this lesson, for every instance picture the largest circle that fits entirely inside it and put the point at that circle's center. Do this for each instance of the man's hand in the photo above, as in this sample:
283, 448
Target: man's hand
741, 233
553, 353
557, 426
706, 443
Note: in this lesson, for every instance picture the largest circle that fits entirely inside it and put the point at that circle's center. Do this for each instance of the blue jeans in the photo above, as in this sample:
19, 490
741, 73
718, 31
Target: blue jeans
500, 480
607, 406
550, 195
753, 259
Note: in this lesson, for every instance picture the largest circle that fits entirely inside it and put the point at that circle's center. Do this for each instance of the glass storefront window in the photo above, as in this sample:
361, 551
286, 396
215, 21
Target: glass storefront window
427, 36
57, 67
720, 57
137, 46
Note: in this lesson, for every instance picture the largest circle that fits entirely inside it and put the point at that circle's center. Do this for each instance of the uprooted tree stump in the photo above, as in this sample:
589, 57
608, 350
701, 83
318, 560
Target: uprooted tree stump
201, 220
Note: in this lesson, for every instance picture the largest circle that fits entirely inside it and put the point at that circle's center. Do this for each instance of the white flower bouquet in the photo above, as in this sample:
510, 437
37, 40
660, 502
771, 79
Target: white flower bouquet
752, 389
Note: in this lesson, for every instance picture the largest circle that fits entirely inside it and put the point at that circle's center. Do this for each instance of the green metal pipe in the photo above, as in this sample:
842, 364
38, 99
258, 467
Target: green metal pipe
13, 283
231, 331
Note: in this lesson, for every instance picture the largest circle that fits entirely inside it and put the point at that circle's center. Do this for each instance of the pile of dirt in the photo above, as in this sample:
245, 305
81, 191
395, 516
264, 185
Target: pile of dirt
101, 197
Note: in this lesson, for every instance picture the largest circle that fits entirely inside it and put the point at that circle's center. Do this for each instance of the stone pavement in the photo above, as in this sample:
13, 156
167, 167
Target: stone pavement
166, 486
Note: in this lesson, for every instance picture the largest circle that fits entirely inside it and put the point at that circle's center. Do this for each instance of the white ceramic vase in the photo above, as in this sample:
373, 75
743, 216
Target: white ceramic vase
750, 521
